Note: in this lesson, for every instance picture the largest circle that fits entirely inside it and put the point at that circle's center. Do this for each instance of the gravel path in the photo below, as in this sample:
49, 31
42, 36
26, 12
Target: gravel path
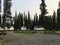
30, 39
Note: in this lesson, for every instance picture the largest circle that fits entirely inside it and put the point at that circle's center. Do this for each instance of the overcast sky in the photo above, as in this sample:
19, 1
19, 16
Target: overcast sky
33, 6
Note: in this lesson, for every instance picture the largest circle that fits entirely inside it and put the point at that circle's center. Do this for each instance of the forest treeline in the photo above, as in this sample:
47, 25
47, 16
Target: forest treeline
48, 22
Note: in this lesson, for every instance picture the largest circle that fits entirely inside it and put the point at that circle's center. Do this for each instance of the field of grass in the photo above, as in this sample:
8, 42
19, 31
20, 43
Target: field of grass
30, 39
30, 32
37, 32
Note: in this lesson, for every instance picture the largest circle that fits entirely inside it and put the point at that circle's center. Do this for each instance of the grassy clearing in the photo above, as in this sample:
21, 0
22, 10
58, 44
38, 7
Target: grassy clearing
30, 32
52, 32
57, 32
26, 32
37, 32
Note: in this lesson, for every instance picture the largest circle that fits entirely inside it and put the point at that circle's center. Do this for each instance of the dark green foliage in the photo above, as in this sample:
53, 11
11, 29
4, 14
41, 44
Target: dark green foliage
32, 25
29, 21
48, 22
54, 20
26, 21
43, 8
0, 20
18, 22
43, 12
15, 21
6, 12
36, 19
58, 17
16, 25
29, 24
0, 12
15, 17
0, 7
7, 8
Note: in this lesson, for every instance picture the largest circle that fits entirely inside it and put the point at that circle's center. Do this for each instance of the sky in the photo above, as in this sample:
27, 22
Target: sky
33, 6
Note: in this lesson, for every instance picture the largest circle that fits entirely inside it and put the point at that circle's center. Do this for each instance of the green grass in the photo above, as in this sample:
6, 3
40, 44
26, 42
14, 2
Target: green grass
52, 32
29, 32
37, 32
57, 32
26, 32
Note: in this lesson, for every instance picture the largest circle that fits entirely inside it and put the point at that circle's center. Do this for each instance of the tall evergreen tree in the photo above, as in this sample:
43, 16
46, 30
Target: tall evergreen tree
54, 20
20, 20
0, 12
6, 13
50, 23
58, 17
29, 20
43, 8
0, 7
16, 25
15, 21
15, 17
43, 12
0, 20
26, 21
36, 19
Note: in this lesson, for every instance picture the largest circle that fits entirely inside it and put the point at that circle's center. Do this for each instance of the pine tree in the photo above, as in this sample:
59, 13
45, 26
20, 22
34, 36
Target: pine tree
43, 8
0, 12
20, 20
16, 25
54, 20
29, 20
7, 11
0, 7
26, 21
15, 17
43, 12
15, 21
0, 20
58, 17
36, 19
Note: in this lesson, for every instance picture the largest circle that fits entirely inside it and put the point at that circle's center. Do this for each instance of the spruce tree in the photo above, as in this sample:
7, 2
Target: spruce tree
58, 17
36, 19
54, 20
7, 11
15, 21
26, 22
15, 17
0, 7
43, 8
0, 20
20, 20
43, 12
29, 20
0, 12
